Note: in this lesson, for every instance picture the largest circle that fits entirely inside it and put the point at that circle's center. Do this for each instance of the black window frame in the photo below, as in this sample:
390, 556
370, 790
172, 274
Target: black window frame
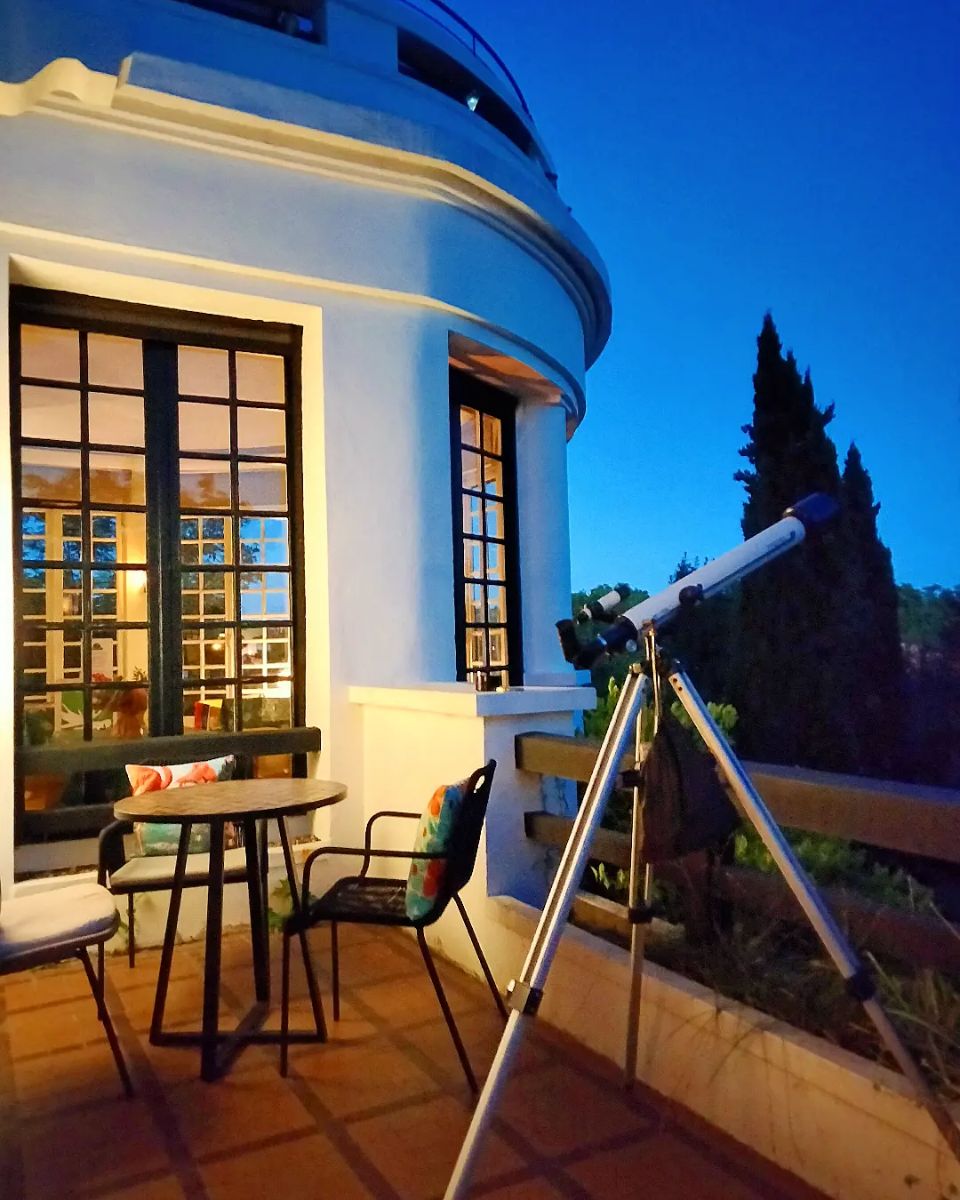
467, 391
162, 330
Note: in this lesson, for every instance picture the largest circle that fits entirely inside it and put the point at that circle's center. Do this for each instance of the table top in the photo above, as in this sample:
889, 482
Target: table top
231, 801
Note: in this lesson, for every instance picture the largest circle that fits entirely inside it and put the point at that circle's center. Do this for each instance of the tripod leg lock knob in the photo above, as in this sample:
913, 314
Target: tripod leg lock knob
524, 998
861, 986
641, 914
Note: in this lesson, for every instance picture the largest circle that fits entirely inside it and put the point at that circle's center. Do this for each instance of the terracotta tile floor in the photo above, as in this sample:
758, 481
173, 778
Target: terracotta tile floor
379, 1112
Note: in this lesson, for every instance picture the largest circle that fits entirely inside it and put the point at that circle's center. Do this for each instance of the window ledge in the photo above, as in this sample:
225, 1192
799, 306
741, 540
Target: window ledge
108, 753
462, 700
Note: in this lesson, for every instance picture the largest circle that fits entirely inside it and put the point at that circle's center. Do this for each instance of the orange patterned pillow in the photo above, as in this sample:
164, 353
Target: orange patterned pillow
156, 837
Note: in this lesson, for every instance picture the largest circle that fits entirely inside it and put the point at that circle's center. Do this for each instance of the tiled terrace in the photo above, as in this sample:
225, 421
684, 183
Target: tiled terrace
379, 1111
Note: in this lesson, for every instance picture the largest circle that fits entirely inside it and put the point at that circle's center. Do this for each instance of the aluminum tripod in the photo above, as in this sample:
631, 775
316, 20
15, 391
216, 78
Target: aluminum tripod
527, 991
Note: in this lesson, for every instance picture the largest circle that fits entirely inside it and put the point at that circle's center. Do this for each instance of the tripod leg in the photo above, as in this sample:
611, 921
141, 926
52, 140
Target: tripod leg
525, 993
639, 923
855, 975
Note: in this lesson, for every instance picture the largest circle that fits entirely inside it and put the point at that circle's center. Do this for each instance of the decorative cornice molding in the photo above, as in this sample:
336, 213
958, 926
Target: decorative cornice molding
66, 88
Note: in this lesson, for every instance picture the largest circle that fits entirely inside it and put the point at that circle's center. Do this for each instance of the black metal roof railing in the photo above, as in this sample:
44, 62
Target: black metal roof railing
304, 19
465, 33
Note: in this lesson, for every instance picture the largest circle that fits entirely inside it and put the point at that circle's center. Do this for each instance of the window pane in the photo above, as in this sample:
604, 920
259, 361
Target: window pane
470, 427
494, 518
495, 561
262, 431
264, 541
260, 378
264, 594
209, 706
493, 477
116, 478
206, 594
498, 647
470, 468
473, 560
131, 592
205, 540
51, 656
473, 600
476, 648
204, 428
204, 484
50, 474
203, 372
128, 530
121, 712
115, 420
50, 413
115, 361
266, 648
267, 705
33, 536
496, 606
472, 514
491, 435
210, 654
263, 486
50, 353
118, 654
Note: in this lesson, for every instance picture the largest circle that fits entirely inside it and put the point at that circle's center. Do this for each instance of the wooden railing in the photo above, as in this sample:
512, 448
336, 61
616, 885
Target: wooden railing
892, 816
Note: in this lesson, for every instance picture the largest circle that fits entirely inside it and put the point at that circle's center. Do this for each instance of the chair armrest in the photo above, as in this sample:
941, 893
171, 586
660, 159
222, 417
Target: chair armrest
368, 832
110, 853
364, 853
385, 812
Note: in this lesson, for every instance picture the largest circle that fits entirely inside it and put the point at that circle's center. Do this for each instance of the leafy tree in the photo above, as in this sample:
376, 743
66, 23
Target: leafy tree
788, 684
930, 622
872, 653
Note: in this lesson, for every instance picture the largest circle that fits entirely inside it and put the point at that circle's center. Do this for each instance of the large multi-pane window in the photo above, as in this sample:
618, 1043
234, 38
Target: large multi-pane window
486, 571
156, 497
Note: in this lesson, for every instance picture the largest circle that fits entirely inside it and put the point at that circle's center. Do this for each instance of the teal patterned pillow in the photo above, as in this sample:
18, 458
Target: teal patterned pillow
426, 875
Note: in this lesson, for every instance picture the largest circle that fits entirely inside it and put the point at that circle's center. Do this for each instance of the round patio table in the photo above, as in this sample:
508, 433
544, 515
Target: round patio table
245, 802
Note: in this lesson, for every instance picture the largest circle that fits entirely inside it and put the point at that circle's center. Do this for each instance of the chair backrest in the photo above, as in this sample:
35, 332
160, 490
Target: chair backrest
465, 835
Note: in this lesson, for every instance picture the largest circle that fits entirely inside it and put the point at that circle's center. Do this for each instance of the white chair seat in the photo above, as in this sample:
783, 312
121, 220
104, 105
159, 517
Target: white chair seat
80, 914
156, 869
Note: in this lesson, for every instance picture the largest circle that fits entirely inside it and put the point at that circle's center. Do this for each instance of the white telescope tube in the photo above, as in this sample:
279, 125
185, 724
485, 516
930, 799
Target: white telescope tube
724, 571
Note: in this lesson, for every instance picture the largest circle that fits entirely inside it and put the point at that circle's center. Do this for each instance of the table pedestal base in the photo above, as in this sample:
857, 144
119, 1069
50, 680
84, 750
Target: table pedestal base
219, 1048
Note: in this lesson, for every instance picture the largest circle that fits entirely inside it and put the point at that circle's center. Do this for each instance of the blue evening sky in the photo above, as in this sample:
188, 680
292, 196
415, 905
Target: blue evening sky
729, 157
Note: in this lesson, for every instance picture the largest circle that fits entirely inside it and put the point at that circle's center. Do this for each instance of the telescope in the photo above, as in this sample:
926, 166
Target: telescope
653, 613
642, 622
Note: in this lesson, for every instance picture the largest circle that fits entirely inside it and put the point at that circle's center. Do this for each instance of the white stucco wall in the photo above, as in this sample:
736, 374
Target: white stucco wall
379, 268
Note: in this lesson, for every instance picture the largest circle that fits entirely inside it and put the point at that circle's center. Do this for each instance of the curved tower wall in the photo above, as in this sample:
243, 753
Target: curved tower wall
178, 158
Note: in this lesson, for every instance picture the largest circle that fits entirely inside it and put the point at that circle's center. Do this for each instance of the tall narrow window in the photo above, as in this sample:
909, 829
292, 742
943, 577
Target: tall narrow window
156, 497
486, 568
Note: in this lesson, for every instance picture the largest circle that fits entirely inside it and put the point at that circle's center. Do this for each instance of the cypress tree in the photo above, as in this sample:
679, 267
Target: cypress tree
788, 683
873, 652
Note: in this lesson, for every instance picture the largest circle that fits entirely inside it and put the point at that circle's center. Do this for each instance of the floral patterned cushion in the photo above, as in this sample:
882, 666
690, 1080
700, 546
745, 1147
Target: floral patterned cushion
156, 837
426, 875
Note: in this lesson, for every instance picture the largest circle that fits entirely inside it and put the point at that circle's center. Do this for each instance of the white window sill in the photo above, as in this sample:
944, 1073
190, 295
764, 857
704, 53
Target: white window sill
462, 700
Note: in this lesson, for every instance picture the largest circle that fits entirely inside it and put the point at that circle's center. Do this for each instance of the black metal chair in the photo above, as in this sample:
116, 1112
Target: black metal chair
129, 876
50, 926
372, 900
125, 876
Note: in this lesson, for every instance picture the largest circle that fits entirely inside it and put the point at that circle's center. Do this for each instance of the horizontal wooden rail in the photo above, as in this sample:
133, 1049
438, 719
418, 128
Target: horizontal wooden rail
117, 752
909, 937
893, 816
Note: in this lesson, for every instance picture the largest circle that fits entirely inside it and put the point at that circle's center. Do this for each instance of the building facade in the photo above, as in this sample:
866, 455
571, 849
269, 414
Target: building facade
298, 328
